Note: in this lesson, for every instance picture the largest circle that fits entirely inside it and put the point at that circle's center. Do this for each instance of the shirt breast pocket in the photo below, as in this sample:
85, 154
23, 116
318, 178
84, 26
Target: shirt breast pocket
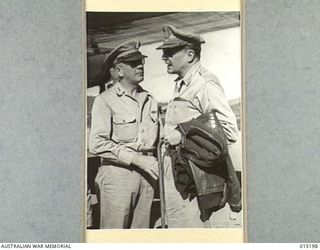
125, 127
181, 110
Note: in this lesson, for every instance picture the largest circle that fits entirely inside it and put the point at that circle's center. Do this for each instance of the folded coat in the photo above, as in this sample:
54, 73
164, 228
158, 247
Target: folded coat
202, 166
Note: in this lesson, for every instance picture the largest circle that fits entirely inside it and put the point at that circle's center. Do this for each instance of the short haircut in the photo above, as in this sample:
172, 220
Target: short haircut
196, 48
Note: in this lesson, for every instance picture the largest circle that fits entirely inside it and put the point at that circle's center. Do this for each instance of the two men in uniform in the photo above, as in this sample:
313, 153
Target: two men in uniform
125, 130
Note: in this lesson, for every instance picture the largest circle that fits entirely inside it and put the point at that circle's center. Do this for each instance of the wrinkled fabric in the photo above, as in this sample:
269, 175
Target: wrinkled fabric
125, 198
123, 126
180, 213
197, 93
202, 166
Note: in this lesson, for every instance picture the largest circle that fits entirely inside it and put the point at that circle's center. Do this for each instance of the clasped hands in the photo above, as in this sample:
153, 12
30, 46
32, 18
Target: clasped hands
149, 163
172, 138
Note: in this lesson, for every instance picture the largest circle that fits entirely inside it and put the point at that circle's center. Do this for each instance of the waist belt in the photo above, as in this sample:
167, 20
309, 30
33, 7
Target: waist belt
145, 153
106, 161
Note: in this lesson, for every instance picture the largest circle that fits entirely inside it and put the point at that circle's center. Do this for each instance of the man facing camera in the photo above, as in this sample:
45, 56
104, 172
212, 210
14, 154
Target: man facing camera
123, 133
193, 191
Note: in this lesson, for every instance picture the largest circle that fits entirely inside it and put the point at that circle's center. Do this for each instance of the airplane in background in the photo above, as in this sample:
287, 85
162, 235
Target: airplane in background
106, 30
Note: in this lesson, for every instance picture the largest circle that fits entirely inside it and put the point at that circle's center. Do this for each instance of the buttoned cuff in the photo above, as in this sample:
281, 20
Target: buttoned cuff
126, 157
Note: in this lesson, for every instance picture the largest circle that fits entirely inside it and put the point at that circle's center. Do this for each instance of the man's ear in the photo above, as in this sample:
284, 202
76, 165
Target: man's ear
119, 71
114, 73
191, 55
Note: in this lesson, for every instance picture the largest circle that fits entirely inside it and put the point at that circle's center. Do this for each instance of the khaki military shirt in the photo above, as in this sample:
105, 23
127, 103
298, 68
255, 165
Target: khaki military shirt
197, 93
123, 125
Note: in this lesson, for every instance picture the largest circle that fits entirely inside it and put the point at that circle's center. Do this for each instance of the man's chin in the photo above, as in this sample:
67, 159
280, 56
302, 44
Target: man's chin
140, 79
170, 71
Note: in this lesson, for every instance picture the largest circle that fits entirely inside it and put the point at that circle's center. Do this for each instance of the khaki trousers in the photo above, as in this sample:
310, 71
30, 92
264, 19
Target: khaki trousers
125, 198
179, 213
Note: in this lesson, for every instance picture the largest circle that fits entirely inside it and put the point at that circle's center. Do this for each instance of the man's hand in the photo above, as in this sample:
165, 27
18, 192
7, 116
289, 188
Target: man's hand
147, 163
172, 138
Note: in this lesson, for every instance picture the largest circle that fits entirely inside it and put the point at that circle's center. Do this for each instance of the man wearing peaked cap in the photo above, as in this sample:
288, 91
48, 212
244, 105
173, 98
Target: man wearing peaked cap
196, 92
174, 38
125, 52
123, 133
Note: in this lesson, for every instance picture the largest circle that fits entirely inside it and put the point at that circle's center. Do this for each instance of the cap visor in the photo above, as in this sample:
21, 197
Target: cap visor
167, 46
171, 46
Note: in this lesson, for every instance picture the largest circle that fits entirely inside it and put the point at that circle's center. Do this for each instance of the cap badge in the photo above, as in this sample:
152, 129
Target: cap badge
167, 33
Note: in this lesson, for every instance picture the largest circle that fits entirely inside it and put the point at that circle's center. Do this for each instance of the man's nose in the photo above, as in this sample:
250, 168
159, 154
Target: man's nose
164, 57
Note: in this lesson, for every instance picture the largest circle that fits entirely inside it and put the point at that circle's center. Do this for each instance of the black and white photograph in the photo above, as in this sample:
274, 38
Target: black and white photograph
164, 141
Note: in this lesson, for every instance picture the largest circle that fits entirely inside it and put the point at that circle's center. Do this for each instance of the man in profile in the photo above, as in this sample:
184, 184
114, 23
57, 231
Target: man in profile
196, 92
123, 133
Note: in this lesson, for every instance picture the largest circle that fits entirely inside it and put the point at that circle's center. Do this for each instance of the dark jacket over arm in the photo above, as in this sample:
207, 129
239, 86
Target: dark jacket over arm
202, 166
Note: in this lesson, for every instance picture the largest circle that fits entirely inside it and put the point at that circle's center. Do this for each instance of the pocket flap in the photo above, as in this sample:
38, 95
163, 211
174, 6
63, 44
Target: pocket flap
123, 119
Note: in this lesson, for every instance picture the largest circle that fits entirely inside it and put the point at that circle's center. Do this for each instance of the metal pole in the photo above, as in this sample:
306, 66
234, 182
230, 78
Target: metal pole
161, 184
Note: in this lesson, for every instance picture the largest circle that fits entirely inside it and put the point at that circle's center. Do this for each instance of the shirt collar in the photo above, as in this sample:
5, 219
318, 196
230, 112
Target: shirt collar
121, 91
187, 79
190, 74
